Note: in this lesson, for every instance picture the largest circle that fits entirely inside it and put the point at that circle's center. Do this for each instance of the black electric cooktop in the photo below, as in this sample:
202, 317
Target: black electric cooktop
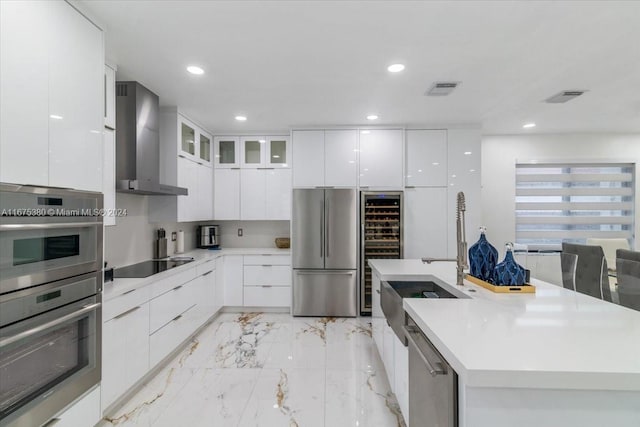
148, 268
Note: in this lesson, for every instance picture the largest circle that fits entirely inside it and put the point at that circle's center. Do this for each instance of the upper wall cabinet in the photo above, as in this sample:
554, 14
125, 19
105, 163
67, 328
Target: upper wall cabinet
381, 158
226, 151
426, 158
109, 97
51, 96
194, 143
325, 158
264, 151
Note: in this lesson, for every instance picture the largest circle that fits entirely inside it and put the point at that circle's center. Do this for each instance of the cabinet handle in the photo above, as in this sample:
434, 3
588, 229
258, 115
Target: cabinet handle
52, 422
128, 292
177, 287
409, 186
378, 291
121, 315
266, 286
267, 265
207, 273
234, 168
180, 155
176, 318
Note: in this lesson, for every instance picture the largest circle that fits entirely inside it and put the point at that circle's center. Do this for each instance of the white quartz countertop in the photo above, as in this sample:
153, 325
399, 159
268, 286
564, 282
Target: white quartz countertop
120, 286
555, 338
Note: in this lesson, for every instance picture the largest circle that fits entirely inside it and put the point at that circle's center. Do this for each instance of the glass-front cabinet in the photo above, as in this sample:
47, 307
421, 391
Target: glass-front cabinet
187, 139
277, 154
193, 142
253, 151
205, 148
227, 151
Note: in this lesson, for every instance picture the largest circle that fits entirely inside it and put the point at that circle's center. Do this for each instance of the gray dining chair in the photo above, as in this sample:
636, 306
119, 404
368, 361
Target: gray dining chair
568, 263
628, 276
590, 276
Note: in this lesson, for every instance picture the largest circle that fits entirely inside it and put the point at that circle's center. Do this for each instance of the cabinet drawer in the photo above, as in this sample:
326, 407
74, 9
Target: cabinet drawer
125, 302
276, 275
171, 304
166, 339
205, 267
267, 260
163, 285
267, 296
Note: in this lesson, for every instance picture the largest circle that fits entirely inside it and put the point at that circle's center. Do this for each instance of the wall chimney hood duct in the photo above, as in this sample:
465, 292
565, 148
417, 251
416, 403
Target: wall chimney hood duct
138, 142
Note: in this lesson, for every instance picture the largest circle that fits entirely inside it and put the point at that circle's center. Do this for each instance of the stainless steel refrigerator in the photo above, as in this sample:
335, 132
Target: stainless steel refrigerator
325, 252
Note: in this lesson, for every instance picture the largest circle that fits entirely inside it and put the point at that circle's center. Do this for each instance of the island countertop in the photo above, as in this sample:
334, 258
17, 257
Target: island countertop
553, 339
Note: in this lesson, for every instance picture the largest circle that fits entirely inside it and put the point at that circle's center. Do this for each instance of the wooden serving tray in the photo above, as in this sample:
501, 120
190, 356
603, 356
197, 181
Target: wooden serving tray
524, 289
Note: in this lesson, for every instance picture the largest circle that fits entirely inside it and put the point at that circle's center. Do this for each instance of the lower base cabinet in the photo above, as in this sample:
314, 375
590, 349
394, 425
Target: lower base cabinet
267, 296
166, 339
125, 351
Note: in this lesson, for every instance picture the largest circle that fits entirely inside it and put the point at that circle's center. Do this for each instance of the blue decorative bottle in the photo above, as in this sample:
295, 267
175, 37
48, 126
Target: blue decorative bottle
509, 272
483, 258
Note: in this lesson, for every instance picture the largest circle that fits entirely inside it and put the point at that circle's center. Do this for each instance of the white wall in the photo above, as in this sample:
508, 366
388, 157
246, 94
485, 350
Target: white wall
255, 234
499, 156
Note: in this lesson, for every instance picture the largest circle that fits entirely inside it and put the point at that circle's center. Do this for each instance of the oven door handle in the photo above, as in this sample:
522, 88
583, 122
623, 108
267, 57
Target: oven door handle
22, 335
40, 226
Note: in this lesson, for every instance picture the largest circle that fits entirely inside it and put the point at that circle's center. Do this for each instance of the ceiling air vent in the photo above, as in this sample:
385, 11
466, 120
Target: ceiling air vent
564, 96
442, 88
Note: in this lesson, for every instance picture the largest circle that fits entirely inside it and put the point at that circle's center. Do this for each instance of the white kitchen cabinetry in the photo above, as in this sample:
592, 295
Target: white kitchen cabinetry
185, 161
227, 151
267, 281
425, 222
85, 412
125, 344
401, 376
109, 174
226, 194
463, 163
340, 158
233, 280
278, 152
308, 158
325, 158
265, 194
381, 158
378, 320
426, 158
48, 136
208, 301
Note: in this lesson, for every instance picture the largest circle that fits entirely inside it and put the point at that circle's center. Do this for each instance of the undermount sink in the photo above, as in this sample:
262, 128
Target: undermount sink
392, 293
421, 289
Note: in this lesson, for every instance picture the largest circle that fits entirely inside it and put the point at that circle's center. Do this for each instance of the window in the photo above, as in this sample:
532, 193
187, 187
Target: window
572, 202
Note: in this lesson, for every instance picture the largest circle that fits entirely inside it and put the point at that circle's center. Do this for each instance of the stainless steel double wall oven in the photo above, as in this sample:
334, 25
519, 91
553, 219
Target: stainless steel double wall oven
50, 300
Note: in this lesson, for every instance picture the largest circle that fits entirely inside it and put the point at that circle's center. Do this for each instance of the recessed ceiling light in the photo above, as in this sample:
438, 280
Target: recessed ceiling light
453, 176
193, 69
55, 116
467, 153
395, 68
529, 125
435, 163
372, 117
241, 118
472, 170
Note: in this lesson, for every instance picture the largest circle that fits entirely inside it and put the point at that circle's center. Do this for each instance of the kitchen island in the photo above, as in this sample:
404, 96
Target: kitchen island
553, 358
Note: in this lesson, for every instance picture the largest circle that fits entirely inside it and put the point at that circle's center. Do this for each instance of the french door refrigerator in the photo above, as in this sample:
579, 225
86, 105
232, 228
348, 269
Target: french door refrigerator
325, 252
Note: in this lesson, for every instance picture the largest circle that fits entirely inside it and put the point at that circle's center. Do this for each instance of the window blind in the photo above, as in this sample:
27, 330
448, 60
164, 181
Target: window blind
572, 202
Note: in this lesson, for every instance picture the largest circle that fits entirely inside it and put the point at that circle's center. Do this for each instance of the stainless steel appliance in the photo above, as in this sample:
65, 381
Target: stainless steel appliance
380, 235
149, 268
160, 248
138, 142
50, 300
433, 384
324, 248
208, 236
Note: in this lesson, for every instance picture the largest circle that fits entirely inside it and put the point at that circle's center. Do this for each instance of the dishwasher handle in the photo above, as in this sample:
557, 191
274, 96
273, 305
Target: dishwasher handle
413, 334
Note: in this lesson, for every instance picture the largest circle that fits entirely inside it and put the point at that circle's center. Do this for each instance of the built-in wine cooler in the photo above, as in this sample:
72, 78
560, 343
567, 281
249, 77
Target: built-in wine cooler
381, 236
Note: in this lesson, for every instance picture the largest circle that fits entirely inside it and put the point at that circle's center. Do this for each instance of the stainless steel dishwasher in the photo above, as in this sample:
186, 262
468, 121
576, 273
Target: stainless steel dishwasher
433, 384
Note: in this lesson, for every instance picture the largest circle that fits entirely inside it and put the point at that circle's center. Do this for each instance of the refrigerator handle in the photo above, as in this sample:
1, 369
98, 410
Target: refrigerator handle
327, 229
321, 228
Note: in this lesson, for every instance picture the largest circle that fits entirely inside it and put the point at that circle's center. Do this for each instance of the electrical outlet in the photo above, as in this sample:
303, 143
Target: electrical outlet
174, 236
239, 232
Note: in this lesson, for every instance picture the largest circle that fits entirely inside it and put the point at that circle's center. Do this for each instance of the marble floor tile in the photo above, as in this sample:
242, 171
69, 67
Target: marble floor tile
269, 370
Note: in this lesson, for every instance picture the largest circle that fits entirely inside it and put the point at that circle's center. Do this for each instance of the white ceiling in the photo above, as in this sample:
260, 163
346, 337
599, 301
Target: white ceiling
294, 63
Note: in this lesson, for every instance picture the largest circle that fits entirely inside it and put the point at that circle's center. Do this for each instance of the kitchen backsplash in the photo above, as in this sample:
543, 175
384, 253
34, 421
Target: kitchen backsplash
131, 240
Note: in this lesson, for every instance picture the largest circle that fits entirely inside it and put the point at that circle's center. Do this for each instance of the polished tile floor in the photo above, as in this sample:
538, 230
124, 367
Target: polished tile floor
269, 370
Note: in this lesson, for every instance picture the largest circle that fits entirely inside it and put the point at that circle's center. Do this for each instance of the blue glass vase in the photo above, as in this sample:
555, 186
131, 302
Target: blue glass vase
509, 272
483, 258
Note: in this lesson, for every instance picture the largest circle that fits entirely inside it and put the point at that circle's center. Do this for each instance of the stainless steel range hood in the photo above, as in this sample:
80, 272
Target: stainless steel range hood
138, 142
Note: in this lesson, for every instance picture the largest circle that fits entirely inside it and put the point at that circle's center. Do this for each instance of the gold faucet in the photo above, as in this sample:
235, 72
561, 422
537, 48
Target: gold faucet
461, 258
